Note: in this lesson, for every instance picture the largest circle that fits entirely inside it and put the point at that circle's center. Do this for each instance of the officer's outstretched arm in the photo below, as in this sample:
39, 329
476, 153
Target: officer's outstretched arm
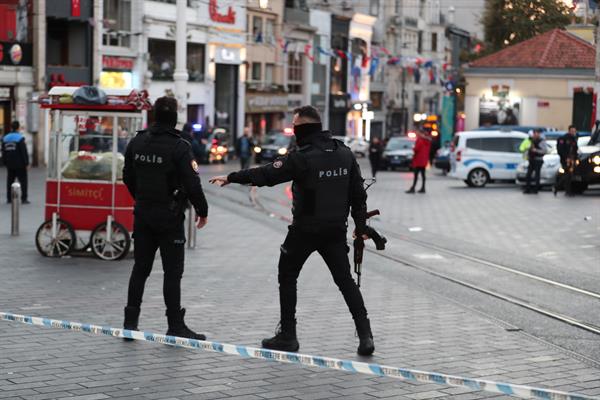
283, 169
358, 198
129, 171
187, 168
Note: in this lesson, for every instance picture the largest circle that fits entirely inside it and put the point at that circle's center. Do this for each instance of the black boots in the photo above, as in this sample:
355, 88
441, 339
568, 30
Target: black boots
132, 315
178, 328
411, 190
422, 189
366, 346
284, 339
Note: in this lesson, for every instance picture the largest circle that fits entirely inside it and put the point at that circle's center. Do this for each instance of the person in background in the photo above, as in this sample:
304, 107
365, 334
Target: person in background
16, 159
187, 135
535, 155
375, 152
244, 148
420, 160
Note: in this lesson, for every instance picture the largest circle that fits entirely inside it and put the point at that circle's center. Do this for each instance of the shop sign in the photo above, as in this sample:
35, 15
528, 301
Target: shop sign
75, 8
16, 53
339, 103
118, 63
264, 103
228, 55
543, 104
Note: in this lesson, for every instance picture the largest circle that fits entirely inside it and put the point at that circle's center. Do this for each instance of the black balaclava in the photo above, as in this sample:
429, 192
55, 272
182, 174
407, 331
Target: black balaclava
304, 131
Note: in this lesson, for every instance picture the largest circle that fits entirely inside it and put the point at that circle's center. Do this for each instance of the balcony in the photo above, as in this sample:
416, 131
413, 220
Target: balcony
296, 16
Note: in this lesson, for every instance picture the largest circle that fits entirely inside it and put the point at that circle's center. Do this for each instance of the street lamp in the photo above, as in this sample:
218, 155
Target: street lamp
263, 4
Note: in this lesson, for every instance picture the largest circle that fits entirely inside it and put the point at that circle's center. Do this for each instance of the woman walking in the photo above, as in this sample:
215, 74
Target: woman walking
420, 160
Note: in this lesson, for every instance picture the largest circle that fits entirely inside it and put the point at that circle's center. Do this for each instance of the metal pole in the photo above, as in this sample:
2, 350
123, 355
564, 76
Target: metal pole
403, 106
181, 74
597, 80
15, 203
191, 229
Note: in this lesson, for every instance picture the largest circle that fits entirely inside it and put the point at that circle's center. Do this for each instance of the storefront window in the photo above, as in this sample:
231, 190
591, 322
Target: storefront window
162, 59
195, 61
295, 62
117, 23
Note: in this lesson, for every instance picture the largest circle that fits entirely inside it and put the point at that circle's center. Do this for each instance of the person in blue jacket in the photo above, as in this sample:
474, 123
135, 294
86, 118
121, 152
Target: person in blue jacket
16, 159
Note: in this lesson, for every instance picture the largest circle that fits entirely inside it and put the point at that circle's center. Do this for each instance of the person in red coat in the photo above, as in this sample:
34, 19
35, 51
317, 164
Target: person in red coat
420, 160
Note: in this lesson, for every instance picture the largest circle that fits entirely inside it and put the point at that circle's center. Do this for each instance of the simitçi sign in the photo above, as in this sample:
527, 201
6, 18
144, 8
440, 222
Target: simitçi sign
117, 63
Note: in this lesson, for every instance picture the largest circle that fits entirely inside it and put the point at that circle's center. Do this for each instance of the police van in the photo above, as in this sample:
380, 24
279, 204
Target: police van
481, 157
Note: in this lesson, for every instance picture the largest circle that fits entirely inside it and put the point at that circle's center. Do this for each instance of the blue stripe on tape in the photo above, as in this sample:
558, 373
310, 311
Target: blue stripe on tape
242, 351
408, 375
347, 366
308, 360
504, 388
471, 384
540, 394
376, 369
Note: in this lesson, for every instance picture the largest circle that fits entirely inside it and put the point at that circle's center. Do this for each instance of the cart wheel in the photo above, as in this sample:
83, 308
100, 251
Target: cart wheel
59, 246
116, 248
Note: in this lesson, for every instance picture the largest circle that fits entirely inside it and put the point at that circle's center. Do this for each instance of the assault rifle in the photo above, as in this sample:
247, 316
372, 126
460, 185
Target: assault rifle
359, 245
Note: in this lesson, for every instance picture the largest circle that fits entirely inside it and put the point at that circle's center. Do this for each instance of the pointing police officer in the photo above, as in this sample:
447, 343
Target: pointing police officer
161, 175
326, 183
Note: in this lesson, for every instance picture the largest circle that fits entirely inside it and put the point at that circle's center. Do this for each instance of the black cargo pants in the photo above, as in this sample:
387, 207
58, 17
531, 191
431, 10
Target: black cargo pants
157, 228
332, 246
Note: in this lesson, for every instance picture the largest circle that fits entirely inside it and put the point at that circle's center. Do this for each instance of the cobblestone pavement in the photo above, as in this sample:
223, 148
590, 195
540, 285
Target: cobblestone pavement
230, 291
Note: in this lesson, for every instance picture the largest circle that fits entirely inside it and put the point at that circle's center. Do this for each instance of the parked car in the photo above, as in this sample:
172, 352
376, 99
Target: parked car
587, 169
481, 157
345, 139
217, 146
359, 146
551, 164
398, 153
442, 159
511, 128
275, 144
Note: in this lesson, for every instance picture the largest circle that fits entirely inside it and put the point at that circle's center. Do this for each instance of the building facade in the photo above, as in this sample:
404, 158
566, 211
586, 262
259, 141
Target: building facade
266, 97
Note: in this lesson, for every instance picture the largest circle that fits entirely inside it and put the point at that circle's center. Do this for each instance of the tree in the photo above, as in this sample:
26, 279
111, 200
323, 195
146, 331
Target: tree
507, 22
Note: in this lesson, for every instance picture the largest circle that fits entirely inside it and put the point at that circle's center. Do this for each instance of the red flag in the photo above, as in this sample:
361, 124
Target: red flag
75, 8
365, 61
307, 48
341, 54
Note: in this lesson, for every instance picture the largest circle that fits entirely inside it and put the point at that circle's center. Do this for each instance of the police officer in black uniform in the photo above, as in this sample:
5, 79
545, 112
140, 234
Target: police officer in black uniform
326, 183
162, 176
566, 147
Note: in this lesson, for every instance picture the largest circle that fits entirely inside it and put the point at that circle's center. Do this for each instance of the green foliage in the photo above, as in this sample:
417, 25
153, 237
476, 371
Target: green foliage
507, 22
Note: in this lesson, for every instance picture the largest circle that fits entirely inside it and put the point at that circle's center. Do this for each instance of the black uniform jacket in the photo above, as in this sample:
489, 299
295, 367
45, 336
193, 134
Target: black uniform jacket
327, 182
160, 170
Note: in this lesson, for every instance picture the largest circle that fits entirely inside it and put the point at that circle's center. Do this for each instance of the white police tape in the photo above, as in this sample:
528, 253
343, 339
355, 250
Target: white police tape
304, 359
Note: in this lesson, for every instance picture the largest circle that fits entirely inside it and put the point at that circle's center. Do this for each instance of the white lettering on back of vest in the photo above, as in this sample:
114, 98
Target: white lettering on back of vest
333, 173
148, 158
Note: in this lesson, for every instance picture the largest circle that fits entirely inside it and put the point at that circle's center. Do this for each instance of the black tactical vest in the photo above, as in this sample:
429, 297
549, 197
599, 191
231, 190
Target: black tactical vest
156, 179
321, 197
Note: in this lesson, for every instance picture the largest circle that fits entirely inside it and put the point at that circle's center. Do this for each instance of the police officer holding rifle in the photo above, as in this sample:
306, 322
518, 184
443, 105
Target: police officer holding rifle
327, 184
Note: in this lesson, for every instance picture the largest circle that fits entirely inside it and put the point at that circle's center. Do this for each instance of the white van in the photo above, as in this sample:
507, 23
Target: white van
480, 157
